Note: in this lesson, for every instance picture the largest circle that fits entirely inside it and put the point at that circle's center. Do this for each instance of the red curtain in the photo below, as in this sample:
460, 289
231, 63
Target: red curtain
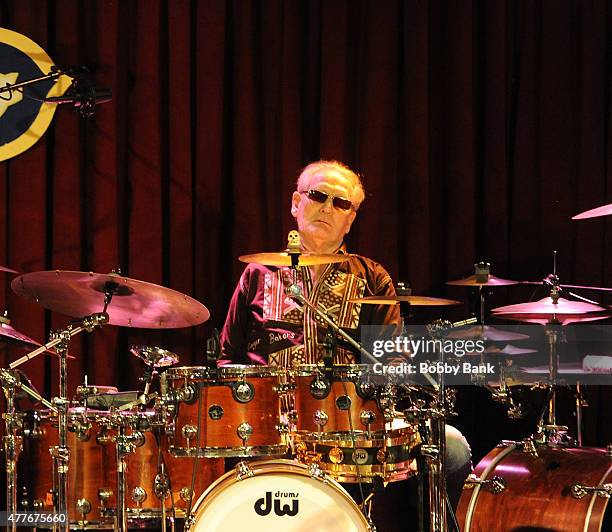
480, 128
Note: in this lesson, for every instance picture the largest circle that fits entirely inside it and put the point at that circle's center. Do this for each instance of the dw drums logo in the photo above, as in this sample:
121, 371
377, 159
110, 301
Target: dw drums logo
266, 504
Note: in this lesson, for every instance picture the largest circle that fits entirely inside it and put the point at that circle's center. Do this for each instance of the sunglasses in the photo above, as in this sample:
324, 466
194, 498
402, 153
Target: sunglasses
321, 197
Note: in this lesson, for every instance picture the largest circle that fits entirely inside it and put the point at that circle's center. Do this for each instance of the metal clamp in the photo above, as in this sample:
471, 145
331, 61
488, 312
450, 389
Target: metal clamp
580, 491
494, 485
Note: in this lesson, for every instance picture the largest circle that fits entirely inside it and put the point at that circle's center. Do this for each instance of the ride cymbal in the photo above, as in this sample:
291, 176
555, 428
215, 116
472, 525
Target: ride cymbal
134, 303
417, 301
284, 258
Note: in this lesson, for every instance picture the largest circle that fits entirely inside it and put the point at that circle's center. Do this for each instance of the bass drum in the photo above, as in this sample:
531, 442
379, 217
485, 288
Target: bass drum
538, 492
276, 496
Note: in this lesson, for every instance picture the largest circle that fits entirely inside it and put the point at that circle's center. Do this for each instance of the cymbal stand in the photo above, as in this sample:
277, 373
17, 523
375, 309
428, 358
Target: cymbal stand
551, 432
580, 404
125, 444
61, 453
12, 442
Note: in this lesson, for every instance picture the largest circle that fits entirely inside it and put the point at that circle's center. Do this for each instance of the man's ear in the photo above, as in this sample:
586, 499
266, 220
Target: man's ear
295, 202
349, 221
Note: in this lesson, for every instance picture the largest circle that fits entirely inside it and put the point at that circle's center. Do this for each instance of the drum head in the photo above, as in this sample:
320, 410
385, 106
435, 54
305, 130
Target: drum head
280, 496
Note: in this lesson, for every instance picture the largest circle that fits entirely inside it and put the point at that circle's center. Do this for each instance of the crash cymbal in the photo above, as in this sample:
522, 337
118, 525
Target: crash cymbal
544, 310
417, 301
486, 332
156, 357
283, 258
478, 280
10, 335
8, 270
604, 210
134, 303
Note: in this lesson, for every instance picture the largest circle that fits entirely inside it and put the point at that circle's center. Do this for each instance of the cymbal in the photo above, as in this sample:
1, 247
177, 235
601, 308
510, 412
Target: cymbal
8, 270
509, 350
486, 332
604, 210
134, 303
417, 301
10, 335
283, 258
474, 280
156, 357
564, 311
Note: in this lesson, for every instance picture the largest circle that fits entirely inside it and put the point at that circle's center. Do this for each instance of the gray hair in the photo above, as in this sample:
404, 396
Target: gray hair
357, 193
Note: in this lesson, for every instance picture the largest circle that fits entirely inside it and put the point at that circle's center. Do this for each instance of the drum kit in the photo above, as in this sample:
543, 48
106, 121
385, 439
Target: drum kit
155, 459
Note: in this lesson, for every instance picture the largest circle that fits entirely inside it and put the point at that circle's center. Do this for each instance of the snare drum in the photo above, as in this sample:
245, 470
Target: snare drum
546, 490
276, 496
340, 425
91, 478
236, 413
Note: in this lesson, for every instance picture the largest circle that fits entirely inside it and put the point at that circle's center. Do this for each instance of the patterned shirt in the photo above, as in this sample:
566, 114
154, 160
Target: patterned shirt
265, 326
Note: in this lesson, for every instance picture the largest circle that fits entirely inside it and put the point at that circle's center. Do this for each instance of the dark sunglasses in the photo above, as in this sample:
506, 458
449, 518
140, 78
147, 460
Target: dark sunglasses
321, 197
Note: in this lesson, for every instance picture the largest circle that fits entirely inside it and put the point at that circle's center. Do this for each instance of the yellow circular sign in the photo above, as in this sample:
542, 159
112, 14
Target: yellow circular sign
24, 116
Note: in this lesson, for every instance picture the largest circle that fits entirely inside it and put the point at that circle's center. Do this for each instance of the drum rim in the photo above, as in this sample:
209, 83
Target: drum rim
230, 370
266, 467
307, 370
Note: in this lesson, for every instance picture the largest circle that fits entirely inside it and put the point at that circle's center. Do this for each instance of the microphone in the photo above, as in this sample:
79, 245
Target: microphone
83, 99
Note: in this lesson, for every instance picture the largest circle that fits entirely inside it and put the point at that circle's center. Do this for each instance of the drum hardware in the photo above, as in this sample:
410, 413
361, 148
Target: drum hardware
61, 454
13, 444
580, 403
553, 312
495, 484
579, 491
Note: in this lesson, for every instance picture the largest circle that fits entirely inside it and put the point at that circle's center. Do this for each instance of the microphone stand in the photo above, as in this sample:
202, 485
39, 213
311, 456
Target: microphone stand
54, 74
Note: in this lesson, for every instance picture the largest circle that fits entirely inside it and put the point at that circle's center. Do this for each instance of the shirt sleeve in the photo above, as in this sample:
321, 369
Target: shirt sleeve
235, 330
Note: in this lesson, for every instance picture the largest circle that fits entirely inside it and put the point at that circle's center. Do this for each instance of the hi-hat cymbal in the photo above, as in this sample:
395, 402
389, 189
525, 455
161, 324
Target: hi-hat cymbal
509, 350
156, 357
486, 332
604, 210
478, 280
134, 303
564, 311
8, 270
283, 258
417, 301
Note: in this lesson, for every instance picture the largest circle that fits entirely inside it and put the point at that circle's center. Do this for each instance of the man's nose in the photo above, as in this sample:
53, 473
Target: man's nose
327, 205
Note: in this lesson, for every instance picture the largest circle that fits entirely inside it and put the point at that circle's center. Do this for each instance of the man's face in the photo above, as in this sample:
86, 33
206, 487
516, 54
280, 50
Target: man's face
321, 224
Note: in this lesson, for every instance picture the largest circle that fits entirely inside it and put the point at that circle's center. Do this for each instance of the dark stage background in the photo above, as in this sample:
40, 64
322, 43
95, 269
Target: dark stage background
480, 128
